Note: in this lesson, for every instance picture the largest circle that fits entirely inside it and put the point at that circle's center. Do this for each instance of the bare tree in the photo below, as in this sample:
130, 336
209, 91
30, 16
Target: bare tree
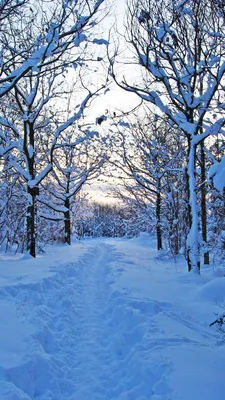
149, 160
179, 47
74, 165
32, 93
43, 35
12, 208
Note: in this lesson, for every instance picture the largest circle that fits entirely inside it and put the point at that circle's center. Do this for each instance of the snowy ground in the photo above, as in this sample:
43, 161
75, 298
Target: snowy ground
109, 320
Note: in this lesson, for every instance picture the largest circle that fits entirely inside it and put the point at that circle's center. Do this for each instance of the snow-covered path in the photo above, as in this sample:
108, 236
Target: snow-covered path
94, 336
109, 325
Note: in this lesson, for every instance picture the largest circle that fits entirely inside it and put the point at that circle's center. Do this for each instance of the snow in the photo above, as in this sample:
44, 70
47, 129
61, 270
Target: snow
100, 41
79, 38
124, 124
35, 182
213, 291
109, 319
216, 172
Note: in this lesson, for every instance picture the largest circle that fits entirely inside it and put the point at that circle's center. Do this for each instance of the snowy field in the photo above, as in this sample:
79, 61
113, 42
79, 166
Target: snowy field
109, 319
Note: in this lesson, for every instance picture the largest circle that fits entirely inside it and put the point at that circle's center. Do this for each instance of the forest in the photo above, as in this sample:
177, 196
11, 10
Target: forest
164, 156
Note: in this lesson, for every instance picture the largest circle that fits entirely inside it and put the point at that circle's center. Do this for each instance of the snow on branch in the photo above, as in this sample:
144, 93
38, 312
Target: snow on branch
219, 320
51, 217
181, 77
72, 120
17, 144
217, 173
52, 206
35, 182
100, 41
48, 49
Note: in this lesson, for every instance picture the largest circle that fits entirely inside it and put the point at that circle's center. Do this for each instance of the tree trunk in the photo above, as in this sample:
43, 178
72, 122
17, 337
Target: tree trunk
176, 228
67, 222
203, 201
31, 228
187, 218
193, 246
158, 216
32, 191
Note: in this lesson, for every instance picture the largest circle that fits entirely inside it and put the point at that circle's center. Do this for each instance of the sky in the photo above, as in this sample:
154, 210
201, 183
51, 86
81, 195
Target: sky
115, 100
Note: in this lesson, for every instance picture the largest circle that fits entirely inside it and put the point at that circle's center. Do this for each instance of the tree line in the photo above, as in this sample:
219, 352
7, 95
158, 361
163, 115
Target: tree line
169, 153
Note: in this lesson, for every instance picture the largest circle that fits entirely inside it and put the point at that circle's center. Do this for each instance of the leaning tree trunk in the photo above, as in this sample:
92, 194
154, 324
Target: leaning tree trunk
158, 216
203, 201
67, 222
193, 246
